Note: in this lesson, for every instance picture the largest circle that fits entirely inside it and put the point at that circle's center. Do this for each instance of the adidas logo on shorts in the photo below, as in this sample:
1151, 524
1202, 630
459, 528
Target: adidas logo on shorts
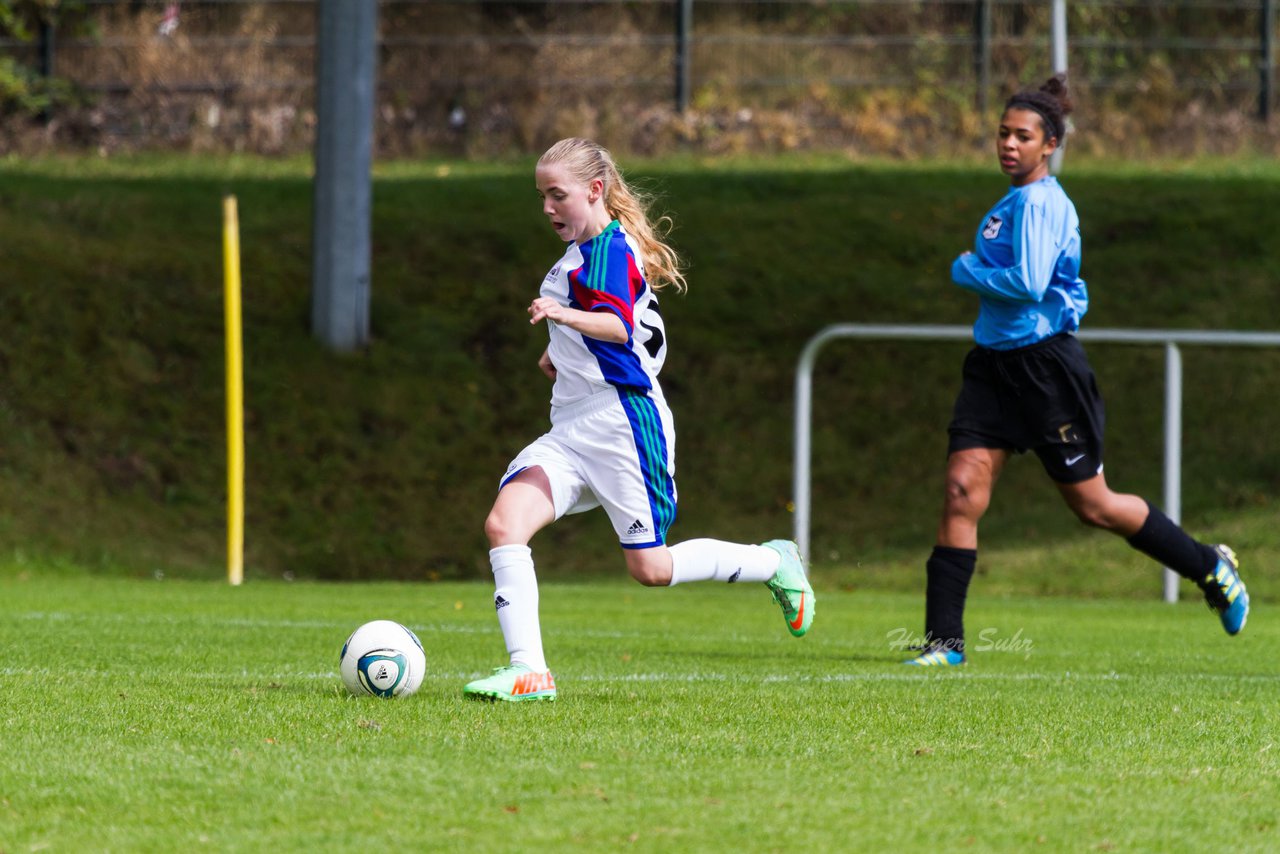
637, 528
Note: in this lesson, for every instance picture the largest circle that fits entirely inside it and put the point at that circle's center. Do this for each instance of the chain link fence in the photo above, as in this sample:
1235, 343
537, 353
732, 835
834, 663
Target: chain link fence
481, 77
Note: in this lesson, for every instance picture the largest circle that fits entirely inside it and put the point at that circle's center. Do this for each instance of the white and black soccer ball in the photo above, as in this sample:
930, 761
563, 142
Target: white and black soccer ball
382, 658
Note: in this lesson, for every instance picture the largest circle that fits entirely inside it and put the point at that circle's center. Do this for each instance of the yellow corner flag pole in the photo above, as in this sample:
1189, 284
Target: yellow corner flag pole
235, 391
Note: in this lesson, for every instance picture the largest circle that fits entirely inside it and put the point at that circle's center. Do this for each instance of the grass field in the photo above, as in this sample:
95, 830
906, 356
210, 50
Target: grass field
147, 707
180, 715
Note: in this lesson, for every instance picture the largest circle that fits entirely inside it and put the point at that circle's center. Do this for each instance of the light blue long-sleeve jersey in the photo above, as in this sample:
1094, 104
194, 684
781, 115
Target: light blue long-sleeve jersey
1026, 268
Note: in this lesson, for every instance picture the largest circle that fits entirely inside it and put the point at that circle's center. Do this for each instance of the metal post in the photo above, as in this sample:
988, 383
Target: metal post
1172, 451
982, 53
1266, 62
340, 253
802, 461
803, 455
684, 35
45, 46
1059, 37
46, 49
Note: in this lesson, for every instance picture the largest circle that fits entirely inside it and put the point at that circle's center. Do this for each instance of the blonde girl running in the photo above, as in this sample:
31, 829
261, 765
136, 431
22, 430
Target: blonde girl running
612, 437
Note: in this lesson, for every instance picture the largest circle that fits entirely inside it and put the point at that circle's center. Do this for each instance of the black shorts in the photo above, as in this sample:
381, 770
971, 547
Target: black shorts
1042, 398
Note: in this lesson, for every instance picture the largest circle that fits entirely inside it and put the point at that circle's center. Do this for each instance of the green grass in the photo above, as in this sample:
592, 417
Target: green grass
177, 715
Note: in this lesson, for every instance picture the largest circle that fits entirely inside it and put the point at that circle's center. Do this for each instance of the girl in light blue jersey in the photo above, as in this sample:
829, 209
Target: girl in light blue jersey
1027, 385
612, 438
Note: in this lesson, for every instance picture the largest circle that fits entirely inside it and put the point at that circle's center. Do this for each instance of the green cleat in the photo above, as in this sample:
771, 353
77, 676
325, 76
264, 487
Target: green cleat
512, 683
790, 587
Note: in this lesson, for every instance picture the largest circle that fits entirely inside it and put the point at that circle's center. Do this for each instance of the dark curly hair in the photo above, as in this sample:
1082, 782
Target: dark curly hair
1051, 101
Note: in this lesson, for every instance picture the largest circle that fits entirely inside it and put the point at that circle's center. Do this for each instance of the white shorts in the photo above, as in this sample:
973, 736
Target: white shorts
615, 449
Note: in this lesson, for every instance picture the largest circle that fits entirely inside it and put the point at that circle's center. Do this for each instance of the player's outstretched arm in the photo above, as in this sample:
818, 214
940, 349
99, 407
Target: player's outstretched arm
601, 325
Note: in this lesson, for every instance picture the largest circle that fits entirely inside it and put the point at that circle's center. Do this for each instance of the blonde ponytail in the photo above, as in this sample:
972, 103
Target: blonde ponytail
588, 161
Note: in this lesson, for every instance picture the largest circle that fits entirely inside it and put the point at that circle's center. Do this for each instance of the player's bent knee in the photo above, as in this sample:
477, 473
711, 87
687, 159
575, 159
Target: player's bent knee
1094, 516
957, 490
501, 529
962, 500
650, 567
495, 529
649, 578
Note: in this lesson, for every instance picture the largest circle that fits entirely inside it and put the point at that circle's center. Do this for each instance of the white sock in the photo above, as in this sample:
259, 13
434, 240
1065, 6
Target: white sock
715, 560
516, 599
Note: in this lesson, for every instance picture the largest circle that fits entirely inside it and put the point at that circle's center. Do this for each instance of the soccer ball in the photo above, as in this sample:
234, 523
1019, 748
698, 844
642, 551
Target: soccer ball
382, 658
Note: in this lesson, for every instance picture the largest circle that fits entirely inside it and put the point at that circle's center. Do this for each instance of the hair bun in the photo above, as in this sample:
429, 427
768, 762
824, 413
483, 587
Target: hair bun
1056, 88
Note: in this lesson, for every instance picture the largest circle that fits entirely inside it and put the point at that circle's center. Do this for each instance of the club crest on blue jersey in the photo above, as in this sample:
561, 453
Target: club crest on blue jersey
992, 229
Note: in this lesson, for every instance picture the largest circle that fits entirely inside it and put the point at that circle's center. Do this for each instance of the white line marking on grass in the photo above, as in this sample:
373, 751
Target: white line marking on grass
626, 678
342, 627
172, 619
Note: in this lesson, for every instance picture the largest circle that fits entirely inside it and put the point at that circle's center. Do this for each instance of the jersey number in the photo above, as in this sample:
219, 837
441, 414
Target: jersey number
654, 344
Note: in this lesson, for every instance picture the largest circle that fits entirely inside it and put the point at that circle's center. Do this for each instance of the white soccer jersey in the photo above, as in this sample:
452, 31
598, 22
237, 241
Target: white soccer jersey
604, 274
612, 439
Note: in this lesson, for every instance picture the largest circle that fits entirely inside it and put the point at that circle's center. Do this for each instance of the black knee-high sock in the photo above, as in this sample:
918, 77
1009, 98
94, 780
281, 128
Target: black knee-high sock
1161, 538
949, 571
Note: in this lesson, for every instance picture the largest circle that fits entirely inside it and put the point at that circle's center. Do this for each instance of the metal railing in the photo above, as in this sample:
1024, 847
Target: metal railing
1170, 338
